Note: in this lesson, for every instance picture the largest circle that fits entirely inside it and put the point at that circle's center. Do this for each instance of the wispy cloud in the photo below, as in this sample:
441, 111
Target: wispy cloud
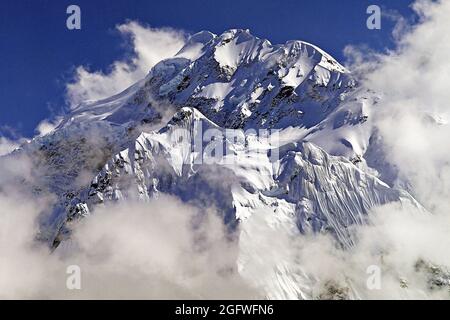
156, 250
151, 250
412, 120
413, 116
7, 145
150, 45
46, 126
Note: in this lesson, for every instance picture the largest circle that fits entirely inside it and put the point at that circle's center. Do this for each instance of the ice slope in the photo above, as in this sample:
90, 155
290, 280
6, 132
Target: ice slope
237, 81
303, 190
138, 144
240, 81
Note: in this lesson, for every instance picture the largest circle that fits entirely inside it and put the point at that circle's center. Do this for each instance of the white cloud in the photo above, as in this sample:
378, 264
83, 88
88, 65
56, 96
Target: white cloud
413, 115
46, 126
161, 249
150, 45
155, 250
7, 145
396, 240
412, 118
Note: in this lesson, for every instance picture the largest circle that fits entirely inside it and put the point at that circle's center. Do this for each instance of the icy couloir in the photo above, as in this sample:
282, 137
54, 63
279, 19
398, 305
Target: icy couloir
302, 189
328, 192
240, 81
236, 80
115, 149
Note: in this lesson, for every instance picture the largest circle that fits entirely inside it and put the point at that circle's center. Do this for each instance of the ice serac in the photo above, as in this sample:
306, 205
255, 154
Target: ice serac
243, 81
240, 81
148, 140
327, 192
304, 190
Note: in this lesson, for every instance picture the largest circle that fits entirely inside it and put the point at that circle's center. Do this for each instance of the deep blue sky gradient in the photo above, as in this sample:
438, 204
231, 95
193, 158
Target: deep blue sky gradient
38, 54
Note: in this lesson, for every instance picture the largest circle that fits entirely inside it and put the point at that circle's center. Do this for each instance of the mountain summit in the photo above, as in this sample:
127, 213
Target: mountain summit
277, 138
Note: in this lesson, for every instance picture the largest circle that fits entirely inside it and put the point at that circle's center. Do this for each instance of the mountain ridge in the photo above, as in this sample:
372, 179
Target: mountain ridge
144, 141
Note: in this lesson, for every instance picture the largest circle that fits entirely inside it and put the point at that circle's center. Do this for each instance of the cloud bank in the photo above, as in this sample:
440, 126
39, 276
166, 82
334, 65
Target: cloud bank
412, 122
7, 145
163, 249
150, 45
47, 126
408, 245
153, 250
413, 115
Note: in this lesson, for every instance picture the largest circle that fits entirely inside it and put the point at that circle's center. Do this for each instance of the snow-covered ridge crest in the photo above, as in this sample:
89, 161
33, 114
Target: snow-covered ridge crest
240, 81
142, 143
229, 81
327, 193
305, 190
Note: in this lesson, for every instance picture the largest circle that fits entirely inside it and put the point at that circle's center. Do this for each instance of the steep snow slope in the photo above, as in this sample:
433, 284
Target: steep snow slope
236, 80
240, 81
303, 190
310, 176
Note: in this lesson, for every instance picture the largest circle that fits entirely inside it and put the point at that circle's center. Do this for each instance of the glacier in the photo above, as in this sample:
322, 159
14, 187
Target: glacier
321, 173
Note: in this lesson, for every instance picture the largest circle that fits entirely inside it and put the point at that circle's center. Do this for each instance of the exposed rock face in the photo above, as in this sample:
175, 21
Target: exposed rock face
150, 139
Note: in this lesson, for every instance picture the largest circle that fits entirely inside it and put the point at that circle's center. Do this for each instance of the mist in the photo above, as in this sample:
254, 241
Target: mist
408, 244
165, 248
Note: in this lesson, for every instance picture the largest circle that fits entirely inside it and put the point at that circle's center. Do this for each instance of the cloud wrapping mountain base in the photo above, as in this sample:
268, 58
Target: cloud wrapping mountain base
7, 146
150, 45
312, 225
159, 250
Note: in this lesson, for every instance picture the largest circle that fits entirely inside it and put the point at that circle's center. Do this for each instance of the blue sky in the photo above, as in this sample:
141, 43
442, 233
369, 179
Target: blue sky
38, 54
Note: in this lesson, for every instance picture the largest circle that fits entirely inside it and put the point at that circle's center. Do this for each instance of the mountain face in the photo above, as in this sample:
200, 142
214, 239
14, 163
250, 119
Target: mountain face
310, 172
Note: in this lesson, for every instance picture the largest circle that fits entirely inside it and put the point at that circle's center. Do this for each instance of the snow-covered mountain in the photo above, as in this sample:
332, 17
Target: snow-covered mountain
317, 171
